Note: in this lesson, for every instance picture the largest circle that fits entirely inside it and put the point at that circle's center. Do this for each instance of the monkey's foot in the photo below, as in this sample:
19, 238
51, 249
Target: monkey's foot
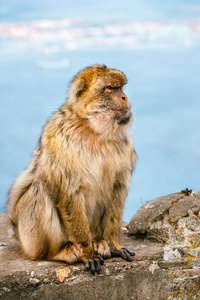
124, 253
102, 248
92, 261
70, 253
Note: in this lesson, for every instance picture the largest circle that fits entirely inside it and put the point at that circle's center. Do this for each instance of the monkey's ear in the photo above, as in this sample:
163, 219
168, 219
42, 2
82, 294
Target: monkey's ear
78, 86
79, 93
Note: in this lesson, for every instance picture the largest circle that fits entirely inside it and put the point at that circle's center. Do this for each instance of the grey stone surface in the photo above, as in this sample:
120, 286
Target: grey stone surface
152, 211
174, 206
180, 209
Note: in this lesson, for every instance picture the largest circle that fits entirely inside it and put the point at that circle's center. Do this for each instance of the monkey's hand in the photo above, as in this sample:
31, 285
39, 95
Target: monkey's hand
92, 261
122, 252
102, 248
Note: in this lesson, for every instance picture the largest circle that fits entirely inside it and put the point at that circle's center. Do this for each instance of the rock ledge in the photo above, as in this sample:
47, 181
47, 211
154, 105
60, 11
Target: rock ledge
149, 276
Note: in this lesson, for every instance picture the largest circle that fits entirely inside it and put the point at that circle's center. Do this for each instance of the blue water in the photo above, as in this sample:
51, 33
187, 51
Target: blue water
163, 87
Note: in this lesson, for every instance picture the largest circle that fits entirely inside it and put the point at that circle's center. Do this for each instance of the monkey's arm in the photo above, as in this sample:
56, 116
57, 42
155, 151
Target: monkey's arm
112, 219
73, 216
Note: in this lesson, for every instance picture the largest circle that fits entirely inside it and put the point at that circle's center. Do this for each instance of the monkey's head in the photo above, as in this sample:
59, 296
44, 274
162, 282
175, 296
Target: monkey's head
96, 95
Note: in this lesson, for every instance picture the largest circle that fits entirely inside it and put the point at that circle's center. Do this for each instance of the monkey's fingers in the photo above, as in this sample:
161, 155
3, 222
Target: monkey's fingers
87, 265
124, 254
98, 266
93, 265
130, 252
100, 259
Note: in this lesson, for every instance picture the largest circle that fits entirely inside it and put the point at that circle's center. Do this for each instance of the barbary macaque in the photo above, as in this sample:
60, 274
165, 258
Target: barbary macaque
67, 205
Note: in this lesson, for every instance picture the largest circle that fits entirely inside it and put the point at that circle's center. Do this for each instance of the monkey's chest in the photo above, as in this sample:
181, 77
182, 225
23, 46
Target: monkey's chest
100, 180
100, 172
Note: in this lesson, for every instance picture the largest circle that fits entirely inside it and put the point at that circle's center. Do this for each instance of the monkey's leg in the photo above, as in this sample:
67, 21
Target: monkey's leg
72, 212
38, 224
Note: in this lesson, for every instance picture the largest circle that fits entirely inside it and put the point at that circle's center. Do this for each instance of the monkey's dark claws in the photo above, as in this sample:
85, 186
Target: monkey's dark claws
100, 259
112, 250
98, 266
125, 253
94, 265
130, 252
87, 265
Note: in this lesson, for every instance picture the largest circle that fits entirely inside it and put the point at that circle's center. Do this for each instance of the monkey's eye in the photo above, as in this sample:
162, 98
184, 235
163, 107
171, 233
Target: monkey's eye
109, 87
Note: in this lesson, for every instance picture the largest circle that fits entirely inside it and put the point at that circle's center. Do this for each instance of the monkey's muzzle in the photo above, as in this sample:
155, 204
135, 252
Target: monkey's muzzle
123, 116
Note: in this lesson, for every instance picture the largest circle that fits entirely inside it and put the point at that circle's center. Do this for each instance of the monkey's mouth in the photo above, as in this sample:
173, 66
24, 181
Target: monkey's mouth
115, 115
122, 117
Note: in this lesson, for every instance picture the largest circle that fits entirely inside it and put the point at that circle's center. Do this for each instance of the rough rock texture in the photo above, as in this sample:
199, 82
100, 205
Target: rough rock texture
151, 212
174, 220
174, 206
164, 270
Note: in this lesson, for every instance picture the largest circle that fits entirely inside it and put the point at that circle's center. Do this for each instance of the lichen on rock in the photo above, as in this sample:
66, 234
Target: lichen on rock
173, 220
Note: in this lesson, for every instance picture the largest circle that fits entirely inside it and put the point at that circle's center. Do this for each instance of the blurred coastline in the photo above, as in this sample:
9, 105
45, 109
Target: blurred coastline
53, 36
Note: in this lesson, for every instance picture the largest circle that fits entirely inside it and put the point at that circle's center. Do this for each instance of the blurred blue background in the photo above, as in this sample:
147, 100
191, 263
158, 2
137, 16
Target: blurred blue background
43, 44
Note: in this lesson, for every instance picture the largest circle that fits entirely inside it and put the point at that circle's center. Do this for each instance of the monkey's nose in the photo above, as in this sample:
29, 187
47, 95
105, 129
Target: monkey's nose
124, 101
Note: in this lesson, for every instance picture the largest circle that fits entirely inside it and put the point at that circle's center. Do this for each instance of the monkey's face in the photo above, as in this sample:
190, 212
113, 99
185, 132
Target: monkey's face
108, 105
116, 100
100, 98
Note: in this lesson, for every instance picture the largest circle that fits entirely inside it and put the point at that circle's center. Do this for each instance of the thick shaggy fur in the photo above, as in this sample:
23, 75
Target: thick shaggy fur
68, 203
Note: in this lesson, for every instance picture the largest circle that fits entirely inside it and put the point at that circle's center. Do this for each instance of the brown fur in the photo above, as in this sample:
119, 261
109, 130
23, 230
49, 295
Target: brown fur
67, 205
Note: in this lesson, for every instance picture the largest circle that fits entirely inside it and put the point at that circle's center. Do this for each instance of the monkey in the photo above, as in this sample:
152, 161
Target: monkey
68, 203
